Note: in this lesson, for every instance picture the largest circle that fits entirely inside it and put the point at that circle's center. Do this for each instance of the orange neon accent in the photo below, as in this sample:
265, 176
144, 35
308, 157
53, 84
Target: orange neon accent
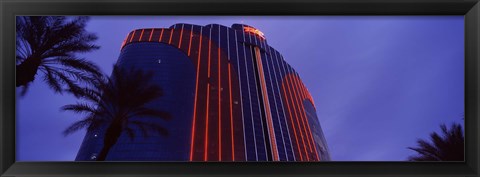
208, 101
266, 104
124, 42
195, 102
141, 35
294, 102
291, 119
132, 36
171, 36
219, 111
160, 38
209, 52
303, 115
302, 118
231, 113
306, 119
300, 108
181, 35
254, 31
151, 34
205, 156
190, 43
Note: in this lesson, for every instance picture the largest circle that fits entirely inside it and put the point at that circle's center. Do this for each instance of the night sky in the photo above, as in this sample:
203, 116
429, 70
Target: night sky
379, 82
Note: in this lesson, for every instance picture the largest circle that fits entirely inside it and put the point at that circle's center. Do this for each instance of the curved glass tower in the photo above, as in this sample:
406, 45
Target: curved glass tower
232, 98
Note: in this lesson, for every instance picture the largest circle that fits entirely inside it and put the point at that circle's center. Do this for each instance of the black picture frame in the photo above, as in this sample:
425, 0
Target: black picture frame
10, 8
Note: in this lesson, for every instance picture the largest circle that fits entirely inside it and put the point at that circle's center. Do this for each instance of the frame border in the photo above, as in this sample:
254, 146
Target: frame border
10, 8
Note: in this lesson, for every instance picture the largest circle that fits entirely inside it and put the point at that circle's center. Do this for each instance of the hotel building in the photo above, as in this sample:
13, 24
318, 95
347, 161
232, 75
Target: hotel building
232, 97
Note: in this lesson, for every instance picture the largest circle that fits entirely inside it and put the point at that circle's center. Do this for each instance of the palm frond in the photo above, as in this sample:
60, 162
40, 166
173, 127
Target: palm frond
149, 112
80, 108
78, 64
446, 147
85, 123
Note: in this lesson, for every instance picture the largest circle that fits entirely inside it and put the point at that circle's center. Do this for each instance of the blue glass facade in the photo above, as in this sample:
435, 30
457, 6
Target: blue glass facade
232, 97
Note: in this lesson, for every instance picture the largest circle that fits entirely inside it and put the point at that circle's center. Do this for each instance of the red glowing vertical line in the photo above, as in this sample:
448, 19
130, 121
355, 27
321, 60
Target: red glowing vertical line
231, 109
300, 108
266, 103
305, 96
151, 34
306, 119
208, 101
125, 40
160, 38
181, 35
171, 36
219, 110
206, 125
296, 115
195, 102
141, 35
133, 36
190, 43
291, 119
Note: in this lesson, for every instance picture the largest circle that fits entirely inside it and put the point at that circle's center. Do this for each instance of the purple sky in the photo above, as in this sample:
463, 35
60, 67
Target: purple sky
378, 82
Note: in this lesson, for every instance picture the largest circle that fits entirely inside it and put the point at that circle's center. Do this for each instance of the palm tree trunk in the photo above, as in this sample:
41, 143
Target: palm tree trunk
111, 137
26, 71
103, 154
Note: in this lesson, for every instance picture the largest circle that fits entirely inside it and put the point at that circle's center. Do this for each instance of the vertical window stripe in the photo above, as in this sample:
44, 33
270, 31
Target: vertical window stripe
161, 35
133, 35
141, 35
208, 96
278, 71
171, 36
196, 97
219, 102
190, 42
291, 119
266, 105
306, 119
231, 109
299, 105
151, 34
181, 35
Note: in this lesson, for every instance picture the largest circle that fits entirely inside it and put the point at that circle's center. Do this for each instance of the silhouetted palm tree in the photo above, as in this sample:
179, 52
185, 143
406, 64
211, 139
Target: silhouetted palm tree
119, 104
49, 44
448, 147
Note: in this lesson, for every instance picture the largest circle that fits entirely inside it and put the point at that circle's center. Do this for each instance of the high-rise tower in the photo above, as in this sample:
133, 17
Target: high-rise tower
232, 98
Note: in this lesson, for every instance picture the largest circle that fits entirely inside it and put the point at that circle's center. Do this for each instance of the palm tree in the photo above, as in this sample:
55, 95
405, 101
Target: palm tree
448, 147
48, 44
118, 104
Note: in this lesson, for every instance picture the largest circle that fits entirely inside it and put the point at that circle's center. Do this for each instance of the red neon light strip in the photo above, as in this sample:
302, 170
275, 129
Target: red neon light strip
141, 35
219, 111
190, 43
171, 36
306, 96
297, 113
306, 119
181, 35
205, 156
132, 36
266, 104
303, 116
208, 102
195, 102
151, 34
300, 108
160, 38
291, 119
231, 113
